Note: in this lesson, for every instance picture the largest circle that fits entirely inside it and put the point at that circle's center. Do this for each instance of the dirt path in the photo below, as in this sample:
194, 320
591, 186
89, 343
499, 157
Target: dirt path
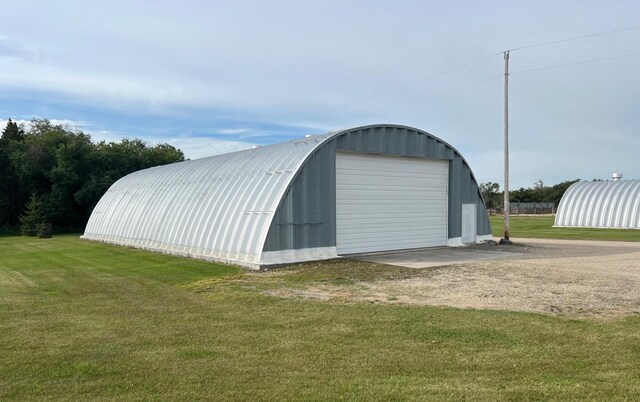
563, 277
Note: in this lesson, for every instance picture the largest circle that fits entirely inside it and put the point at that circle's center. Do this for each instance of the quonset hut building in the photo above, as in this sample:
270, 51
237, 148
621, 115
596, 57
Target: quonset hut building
366, 189
611, 204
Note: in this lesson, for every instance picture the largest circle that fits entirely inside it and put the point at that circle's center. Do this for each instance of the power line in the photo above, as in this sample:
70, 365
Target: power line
487, 80
386, 91
423, 98
574, 63
461, 66
574, 38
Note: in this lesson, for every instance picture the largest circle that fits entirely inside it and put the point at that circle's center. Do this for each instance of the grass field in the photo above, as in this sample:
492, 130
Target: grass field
542, 227
87, 321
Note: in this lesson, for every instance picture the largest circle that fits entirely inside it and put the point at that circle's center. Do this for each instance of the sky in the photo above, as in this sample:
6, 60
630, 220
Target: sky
211, 77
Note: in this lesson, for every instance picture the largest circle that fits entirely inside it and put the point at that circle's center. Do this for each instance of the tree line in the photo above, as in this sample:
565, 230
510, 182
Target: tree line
494, 198
49, 173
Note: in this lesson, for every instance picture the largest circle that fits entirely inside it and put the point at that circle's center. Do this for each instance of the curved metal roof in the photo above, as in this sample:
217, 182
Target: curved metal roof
218, 207
601, 204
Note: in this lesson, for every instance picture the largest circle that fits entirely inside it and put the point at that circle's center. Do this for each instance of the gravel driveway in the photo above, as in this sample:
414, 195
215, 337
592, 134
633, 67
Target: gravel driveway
577, 278
560, 277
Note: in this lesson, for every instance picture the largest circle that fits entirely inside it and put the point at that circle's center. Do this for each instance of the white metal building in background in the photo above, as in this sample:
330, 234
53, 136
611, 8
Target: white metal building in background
366, 189
611, 204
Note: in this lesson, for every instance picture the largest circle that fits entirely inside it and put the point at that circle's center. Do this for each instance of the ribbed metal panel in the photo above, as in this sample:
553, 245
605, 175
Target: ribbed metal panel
218, 207
601, 204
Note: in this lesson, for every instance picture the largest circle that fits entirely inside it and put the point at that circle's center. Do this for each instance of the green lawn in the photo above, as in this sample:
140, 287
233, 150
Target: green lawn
87, 321
542, 227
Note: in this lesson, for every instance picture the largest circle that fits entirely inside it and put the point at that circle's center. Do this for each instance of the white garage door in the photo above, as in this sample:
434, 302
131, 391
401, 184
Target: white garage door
390, 203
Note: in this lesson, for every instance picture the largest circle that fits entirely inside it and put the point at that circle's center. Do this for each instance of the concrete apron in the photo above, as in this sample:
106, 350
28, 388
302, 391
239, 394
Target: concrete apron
441, 256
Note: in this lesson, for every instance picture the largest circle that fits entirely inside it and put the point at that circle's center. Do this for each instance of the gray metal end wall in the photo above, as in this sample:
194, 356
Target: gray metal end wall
306, 215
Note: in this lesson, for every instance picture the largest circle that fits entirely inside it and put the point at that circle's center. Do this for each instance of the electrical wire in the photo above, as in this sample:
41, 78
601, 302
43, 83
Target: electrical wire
386, 91
573, 38
423, 98
574, 63
487, 80
461, 66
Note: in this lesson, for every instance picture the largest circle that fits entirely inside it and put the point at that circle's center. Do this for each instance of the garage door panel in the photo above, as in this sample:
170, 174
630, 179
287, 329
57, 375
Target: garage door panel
383, 204
394, 237
351, 212
385, 223
423, 239
381, 172
354, 211
389, 192
392, 230
400, 183
390, 203
382, 245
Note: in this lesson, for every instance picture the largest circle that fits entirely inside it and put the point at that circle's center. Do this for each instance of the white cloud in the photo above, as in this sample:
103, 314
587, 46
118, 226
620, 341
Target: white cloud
200, 147
105, 135
233, 131
192, 147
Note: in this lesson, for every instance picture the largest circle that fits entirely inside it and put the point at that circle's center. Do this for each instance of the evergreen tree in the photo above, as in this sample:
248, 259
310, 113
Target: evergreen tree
10, 205
32, 217
12, 132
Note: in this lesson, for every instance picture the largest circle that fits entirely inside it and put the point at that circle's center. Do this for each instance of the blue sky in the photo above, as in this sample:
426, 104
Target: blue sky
212, 77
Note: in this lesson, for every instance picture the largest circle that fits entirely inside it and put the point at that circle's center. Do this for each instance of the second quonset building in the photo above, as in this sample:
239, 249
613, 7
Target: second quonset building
366, 189
613, 204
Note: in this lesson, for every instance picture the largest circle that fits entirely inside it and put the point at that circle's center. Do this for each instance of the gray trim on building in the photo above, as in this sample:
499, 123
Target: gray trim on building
306, 215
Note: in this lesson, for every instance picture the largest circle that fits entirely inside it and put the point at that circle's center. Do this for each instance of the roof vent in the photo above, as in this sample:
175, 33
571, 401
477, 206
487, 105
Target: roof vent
616, 176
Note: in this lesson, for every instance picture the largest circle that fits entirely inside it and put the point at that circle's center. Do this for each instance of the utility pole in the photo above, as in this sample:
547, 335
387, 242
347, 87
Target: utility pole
507, 208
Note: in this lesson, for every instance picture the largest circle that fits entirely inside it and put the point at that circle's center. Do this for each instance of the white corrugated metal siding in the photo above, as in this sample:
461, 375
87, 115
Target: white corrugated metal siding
390, 203
601, 204
218, 207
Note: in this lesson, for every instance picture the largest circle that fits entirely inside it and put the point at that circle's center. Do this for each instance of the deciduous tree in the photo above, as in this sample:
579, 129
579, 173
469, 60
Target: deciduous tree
68, 171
